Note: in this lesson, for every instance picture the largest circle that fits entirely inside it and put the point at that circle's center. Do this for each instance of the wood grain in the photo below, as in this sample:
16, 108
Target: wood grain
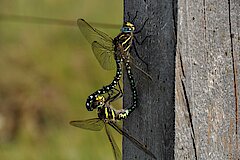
207, 80
190, 110
153, 121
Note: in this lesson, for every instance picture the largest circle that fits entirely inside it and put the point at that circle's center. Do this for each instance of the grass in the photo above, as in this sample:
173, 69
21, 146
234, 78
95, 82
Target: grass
47, 71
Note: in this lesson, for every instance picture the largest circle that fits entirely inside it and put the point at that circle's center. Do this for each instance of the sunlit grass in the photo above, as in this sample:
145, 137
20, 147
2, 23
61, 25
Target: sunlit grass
47, 72
71, 143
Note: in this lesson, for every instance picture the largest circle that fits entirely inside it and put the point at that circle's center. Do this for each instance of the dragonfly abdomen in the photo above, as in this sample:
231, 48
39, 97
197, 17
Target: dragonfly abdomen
133, 87
124, 41
91, 98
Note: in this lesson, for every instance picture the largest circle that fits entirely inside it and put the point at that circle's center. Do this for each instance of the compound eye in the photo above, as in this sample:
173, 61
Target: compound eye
125, 29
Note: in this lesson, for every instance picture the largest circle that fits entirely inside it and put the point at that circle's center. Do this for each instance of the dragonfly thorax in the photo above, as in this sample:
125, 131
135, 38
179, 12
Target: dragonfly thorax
122, 43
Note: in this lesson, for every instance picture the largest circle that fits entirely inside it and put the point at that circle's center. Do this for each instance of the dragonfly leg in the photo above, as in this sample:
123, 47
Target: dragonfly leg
132, 21
140, 30
135, 49
129, 19
140, 43
134, 17
120, 88
116, 96
119, 94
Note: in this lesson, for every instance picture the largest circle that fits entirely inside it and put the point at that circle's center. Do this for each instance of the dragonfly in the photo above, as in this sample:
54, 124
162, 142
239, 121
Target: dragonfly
109, 117
112, 53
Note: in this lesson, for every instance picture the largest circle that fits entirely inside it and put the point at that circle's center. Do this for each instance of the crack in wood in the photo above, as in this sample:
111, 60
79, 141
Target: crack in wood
234, 73
190, 118
181, 63
234, 68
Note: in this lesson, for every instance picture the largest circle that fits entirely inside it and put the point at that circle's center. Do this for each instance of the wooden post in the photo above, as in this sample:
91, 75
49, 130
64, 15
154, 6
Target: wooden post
207, 80
153, 121
193, 114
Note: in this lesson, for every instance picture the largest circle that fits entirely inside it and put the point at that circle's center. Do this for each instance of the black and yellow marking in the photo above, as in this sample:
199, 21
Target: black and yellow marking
124, 40
108, 50
107, 116
91, 98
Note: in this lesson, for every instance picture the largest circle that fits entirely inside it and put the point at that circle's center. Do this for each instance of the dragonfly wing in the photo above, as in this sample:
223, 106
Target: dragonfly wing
94, 124
132, 139
104, 55
102, 45
116, 151
138, 68
93, 34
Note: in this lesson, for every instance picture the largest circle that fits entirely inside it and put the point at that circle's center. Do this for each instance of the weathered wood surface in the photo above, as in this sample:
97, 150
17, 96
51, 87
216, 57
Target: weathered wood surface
206, 115
153, 121
207, 80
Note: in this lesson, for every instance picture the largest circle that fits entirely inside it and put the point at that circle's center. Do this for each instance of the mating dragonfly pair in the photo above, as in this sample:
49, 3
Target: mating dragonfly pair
111, 54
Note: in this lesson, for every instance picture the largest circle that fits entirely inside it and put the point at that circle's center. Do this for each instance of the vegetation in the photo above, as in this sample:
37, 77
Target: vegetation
47, 71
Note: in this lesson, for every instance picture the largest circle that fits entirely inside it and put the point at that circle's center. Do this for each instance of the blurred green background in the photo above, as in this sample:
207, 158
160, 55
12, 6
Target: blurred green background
46, 74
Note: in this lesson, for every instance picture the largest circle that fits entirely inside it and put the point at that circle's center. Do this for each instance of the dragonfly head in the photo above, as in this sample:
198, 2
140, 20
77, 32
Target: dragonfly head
98, 102
128, 27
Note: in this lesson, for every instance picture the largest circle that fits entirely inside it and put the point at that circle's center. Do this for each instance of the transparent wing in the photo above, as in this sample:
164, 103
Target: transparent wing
116, 151
94, 124
132, 139
104, 55
93, 34
138, 68
102, 45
